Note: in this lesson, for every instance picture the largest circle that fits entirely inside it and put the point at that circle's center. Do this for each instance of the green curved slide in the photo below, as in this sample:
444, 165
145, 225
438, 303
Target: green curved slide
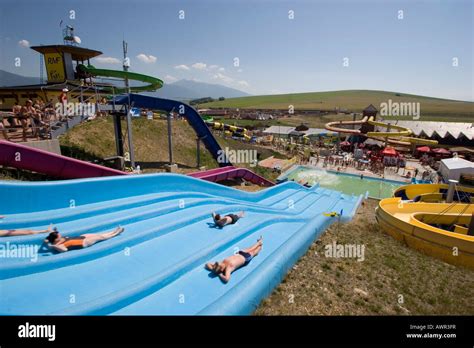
152, 82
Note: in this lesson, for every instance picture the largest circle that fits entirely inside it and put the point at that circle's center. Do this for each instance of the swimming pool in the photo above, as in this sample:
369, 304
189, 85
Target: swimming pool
346, 183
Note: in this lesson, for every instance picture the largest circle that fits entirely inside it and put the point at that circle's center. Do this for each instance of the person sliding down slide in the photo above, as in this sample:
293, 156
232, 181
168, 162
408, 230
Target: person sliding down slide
224, 268
62, 244
8, 233
229, 219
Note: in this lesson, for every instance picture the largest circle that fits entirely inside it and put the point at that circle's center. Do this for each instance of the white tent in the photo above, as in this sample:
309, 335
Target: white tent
452, 168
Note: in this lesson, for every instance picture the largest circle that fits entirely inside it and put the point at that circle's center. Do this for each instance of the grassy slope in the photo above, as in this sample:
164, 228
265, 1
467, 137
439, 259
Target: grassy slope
325, 286
95, 140
354, 100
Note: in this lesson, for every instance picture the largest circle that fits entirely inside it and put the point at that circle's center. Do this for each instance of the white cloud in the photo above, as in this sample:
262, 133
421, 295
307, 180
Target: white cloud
239, 70
108, 60
170, 79
243, 83
181, 67
221, 69
213, 66
146, 58
24, 43
223, 77
199, 66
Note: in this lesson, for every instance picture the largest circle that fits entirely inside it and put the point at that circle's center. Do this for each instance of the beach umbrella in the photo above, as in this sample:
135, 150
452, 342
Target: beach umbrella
423, 149
345, 143
442, 151
389, 151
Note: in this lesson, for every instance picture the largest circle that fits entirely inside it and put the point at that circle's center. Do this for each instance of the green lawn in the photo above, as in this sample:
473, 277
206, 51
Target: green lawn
354, 100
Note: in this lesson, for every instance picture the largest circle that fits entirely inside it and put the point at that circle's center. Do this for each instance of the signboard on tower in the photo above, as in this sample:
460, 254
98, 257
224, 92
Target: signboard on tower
55, 67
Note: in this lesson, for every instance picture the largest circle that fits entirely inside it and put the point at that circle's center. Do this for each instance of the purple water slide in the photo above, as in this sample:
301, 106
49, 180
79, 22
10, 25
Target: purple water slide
40, 161
225, 173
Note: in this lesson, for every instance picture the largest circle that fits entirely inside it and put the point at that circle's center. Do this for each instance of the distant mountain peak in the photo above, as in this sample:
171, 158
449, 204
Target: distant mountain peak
11, 79
185, 89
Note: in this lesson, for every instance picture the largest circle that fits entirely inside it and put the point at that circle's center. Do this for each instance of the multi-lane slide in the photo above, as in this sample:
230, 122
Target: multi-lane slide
28, 158
231, 172
156, 266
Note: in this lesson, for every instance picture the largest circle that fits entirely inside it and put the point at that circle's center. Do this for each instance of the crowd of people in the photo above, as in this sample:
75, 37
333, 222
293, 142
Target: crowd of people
34, 118
371, 158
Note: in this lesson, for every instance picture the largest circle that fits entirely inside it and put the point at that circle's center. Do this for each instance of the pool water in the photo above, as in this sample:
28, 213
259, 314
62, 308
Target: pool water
346, 183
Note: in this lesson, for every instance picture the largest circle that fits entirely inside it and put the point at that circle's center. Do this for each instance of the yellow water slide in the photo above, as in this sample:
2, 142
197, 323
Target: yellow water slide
401, 135
333, 126
400, 131
230, 130
435, 193
418, 225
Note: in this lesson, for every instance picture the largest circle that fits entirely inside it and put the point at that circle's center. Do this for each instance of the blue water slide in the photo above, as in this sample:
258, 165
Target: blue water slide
193, 117
156, 266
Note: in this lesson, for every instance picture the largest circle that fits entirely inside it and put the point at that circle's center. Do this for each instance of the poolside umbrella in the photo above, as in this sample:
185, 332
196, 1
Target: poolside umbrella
389, 151
442, 151
423, 149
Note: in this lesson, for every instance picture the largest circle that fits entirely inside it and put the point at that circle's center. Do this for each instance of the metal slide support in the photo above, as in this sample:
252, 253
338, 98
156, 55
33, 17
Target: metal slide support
198, 152
130, 138
170, 144
118, 133
451, 189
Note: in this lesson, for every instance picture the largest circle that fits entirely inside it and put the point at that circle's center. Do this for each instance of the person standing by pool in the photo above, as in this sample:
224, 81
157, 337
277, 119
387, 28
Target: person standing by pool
225, 268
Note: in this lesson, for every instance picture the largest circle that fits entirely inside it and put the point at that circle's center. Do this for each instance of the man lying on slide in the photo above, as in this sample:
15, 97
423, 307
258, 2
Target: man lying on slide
62, 244
229, 219
224, 268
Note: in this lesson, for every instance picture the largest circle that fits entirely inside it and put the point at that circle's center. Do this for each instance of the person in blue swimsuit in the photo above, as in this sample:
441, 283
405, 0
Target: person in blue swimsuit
224, 268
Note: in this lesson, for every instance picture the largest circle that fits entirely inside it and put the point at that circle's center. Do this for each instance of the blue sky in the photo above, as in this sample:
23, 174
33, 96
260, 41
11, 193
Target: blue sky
276, 54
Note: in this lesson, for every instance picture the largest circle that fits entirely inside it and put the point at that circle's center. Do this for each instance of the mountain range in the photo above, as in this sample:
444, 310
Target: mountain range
181, 90
11, 79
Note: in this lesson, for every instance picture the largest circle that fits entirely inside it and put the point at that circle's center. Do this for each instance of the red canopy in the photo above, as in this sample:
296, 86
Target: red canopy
442, 151
423, 149
389, 151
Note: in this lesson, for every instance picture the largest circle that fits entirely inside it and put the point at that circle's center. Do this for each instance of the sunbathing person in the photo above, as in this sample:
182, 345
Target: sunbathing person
224, 268
62, 244
3, 129
229, 219
9, 233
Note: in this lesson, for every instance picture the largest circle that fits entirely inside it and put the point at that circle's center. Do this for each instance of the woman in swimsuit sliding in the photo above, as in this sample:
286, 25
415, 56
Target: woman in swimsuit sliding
229, 219
62, 244
224, 268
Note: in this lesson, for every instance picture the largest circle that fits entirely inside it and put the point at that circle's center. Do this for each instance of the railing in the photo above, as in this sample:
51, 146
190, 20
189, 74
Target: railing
51, 125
